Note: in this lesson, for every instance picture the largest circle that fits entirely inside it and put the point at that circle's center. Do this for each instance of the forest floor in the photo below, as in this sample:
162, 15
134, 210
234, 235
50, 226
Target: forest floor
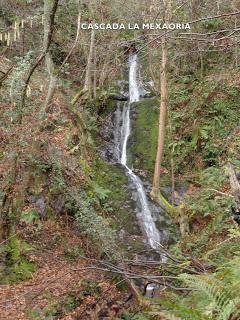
62, 287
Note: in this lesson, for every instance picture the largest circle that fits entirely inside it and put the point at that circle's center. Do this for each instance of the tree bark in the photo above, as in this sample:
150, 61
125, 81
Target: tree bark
44, 52
161, 130
79, 122
52, 82
48, 4
95, 75
88, 77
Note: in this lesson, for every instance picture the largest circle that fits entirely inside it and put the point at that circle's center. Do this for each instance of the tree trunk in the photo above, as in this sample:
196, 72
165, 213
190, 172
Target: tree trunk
201, 61
161, 130
48, 58
6, 207
95, 75
46, 45
52, 82
88, 77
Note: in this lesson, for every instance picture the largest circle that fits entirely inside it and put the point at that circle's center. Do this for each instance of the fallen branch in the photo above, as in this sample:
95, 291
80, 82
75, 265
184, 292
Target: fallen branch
222, 193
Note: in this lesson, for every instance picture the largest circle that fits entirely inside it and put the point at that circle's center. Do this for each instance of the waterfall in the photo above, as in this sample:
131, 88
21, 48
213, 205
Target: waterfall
145, 217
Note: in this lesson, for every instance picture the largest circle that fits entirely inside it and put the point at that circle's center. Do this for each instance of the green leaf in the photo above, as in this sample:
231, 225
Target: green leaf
101, 192
30, 216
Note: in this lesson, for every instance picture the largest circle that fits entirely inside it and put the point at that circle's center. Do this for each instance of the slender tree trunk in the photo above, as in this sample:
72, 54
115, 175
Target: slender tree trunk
151, 49
218, 7
46, 44
48, 58
52, 82
23, 42
236, 47
7, 205
172, 158
161, 130
102, 76
235, 8
201, 61
88, 77
95, 75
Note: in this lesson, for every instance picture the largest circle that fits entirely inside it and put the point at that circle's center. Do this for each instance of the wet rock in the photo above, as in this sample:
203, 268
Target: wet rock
150, 290
167, 192
122, 234
235, 213
39, 204
118, 97
140, 173
107, 149
59, 204
148, 94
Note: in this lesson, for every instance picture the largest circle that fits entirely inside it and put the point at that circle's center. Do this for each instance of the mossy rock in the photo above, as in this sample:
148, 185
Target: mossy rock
143, 139
119, 202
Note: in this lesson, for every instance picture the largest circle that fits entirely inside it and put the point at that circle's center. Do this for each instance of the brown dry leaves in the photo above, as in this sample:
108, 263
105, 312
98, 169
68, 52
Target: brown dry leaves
54, 279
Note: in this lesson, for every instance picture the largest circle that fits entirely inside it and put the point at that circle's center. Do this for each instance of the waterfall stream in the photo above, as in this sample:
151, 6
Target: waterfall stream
145, 217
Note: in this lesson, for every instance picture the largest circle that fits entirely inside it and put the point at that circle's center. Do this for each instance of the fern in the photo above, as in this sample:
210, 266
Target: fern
91, 223
219, 299
180, 310
171, 317
183, 313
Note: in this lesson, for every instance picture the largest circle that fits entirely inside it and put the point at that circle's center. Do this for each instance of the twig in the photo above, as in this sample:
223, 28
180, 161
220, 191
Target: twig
222, 193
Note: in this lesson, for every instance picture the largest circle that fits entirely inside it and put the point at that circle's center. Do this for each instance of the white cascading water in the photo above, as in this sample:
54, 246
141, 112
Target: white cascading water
146, 220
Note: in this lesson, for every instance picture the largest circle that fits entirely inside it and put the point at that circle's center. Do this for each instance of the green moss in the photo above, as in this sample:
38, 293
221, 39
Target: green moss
111, 177
143, 140
118, 202
90, 288
203, 114
20, 272
73, 253
18, 267
33, 314
71, 302
55, 308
